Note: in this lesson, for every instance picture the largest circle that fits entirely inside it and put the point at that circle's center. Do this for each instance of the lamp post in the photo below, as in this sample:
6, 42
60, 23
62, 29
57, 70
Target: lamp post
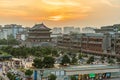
119, 69
41, 74
115, 39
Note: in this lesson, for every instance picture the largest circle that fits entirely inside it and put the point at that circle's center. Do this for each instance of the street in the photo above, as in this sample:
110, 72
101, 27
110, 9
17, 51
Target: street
113, 79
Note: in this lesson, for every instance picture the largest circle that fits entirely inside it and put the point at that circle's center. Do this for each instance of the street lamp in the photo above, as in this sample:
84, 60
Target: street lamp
119, 69
41, 74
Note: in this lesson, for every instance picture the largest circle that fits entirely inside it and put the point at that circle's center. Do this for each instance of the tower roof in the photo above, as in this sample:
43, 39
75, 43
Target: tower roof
40, 27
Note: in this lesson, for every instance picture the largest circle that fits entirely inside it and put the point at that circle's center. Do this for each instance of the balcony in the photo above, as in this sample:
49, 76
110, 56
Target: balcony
32, 32
117, 43
39, 37
93, 42
84, 41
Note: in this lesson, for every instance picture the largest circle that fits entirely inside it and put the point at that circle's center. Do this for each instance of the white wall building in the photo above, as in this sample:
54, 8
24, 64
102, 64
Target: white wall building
88, 30
23, 37
67, 30
77, 30
13, 29
3, 34
56, 30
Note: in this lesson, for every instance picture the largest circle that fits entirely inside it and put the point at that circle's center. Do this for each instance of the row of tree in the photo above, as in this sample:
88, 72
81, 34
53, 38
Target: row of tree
49, 61
34, 51
45, 62
12, 76
9, 41
44, 52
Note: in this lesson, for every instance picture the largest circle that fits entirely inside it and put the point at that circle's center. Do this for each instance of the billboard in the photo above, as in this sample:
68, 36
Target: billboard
94, 76
108, 75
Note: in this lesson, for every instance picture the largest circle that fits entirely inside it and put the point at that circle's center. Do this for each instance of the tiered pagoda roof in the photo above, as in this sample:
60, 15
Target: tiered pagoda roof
40, 27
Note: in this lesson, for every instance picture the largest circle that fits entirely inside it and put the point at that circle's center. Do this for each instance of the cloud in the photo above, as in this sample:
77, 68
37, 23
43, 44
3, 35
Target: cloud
112, 3
61, 2
57, 10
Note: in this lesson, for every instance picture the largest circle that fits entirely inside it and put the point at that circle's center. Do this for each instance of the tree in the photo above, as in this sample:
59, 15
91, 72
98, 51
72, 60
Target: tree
17, 52
23, 52
90, 60
80, 56
46, 50
85, 55
118, 59
38, 54
55, 52
11, 40
3, 42
111, 61
11, 76
38, 63
74, 60
65, 60
72, 78
102, 59
52, 77
29, 72
48, 62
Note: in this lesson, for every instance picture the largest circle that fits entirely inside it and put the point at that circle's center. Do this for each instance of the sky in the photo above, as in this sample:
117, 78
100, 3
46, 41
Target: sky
60, 13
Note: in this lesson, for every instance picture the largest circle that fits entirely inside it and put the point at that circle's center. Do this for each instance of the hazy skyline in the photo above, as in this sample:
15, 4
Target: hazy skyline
60, 13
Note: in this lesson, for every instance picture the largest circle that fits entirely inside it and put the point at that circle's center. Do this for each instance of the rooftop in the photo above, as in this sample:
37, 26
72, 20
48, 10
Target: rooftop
81, 68
40, 27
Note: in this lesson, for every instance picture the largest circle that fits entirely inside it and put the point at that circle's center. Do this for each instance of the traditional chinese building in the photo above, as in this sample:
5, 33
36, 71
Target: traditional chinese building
38, 34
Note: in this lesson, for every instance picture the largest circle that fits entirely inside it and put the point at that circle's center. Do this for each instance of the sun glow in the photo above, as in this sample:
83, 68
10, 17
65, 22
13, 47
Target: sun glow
56, 18
61, 2
61, 11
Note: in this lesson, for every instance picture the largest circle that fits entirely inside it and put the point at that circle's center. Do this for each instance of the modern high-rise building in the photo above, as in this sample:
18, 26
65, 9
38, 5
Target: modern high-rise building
13, 29
3, 34
108, 29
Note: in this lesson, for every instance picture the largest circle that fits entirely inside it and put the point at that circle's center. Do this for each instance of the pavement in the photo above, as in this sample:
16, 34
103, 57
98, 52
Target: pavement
3, 77
11, 67
113, 79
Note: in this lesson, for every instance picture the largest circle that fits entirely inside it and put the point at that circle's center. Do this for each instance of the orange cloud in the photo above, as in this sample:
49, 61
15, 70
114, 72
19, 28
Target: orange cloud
61, 2
56, 18
58, 10
42, 9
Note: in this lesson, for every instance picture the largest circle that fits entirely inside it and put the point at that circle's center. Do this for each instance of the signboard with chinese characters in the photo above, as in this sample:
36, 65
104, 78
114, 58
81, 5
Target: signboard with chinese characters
92, 75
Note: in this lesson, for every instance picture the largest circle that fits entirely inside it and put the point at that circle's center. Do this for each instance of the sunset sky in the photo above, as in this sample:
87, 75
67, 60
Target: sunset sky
60, 13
